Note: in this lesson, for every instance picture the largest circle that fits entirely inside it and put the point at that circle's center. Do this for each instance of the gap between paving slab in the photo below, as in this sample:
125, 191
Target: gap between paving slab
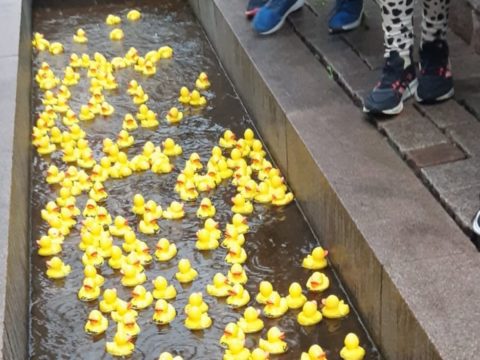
395, 247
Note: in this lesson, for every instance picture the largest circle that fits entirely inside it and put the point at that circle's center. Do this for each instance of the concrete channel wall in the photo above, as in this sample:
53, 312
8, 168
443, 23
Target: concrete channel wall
411, 272
15, 84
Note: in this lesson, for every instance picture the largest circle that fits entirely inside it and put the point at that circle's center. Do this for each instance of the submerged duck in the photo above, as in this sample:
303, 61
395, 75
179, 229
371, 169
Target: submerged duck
121, 345
318, 282
174, 211
237, 275
164, 312
165, 250
220, 286
316, 260
276, 306
310, 315
141, 298
202, 82
80, 37
334, 308
295, 298
238, 296
89, 290
96, 323
352, 349
174, 116
231, 333
110, 301
162, 290
274, 343
197, 320
236, 254
251, 322
185, 272
56, 269
315, 352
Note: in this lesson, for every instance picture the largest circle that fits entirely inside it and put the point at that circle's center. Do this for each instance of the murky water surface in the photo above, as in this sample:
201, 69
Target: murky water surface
279, 237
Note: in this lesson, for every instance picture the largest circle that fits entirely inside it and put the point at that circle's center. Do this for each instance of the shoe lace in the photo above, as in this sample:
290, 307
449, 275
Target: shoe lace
390, 76
434, 61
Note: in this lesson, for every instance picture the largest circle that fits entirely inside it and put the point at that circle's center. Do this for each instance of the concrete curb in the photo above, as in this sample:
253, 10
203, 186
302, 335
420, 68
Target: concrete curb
406, 263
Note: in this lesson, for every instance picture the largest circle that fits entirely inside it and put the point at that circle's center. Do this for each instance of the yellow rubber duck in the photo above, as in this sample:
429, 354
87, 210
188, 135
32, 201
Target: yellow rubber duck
124, 139
238, 296
249, 136
70, 154
143, 253
220, 286
140, 97
184, 97
129, 123
310, 315
174, 116
165, 251
123, 309
202, 82
45, 147
236, 254
251, 322
150, 120
241, 205
196, 300
315, 352
129, 325
233, 237
80, 37
103, 217
161, 164
91, 272
116, 34
77, 133
162, 290
54, 176
295, 298
239, 223
51, 211
55, 48
243, 147
196, 320
56, 269
113, 20
151, 207
148, 225
141, 298
106, 109
170, 148
185, 272
274, 344
168, 356
152, 56
237, 351
92, 257
352, 349
318, 282
90, 209
174, 211
131, 276
130, 241
47, 247
276, 306
86, 113
70, 77
256, 162
259, 354
89, 291
138, 204
134, 15
281, 198
149, 68
116, 258
55, 135
231, 333
228, 140
121, 345
119, 227
96, 323
316, 260
132, 87
334, 308
196, 99
236, 160
131, 56
49, 98
205, 241
39, 42
109, 302
249, 190
75, 61
98, 192
165, 52
206, 209
189, 193
237, 275
164, 312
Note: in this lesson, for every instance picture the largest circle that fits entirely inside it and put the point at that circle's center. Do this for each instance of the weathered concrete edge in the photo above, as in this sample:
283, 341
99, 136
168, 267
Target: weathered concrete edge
397, 325
15, 161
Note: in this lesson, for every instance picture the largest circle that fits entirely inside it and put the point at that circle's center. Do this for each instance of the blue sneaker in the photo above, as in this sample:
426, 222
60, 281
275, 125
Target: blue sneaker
253, 7
347, 15
271, 17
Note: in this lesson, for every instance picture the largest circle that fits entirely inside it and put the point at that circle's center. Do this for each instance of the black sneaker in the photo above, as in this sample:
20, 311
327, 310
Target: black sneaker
435, 82
397, 85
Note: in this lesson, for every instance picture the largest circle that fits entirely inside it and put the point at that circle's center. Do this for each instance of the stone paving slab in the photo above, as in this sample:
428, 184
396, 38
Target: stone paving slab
434, 155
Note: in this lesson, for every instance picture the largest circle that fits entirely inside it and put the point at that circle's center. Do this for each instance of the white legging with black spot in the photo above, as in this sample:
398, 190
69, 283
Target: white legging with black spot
397, 16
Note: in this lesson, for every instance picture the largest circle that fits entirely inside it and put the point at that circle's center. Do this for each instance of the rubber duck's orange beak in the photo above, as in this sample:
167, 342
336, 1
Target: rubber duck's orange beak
269, 302
314, 283
322, 356
323, 301
48, 263
227, 333
146, 251
282, 336
232, 292
325, 252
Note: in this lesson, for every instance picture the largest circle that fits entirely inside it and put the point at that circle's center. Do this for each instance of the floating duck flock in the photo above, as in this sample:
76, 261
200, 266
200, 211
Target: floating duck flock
110, 241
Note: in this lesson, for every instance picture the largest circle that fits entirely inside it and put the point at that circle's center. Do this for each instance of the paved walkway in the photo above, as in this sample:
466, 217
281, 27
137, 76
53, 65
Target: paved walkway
440, 143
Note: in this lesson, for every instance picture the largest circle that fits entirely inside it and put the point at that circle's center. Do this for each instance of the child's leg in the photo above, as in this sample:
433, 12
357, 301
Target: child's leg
435, 19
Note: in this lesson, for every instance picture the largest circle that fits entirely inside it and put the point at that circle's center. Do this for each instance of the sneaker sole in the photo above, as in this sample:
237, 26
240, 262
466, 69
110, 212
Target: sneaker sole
297, 6
409, 92
348, 27
443, 97
475, 225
